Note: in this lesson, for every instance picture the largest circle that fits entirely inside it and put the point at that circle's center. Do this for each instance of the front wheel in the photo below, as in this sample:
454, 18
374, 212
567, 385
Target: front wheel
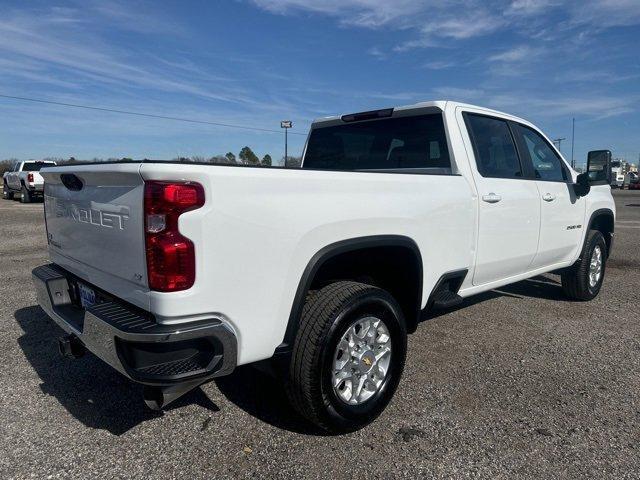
583, 280
348, 356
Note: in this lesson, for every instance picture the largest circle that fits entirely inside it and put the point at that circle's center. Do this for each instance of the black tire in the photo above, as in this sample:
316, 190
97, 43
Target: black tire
575, 279
25, 195
6, 193
326, 316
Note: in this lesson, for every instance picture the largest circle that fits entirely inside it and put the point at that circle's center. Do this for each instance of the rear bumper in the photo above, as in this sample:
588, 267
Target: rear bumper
36, 188
131, 341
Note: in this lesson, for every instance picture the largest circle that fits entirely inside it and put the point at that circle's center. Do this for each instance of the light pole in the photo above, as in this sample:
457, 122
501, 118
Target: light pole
558, 143
573, 139
286, 124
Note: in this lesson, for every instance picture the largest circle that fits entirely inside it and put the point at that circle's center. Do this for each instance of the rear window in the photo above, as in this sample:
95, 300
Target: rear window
417, 143
35, 166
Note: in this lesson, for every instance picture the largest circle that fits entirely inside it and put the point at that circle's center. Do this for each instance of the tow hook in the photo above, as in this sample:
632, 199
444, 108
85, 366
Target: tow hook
70, 346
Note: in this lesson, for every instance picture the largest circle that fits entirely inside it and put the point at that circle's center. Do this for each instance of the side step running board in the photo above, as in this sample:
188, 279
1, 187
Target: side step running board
445, 293
446, 299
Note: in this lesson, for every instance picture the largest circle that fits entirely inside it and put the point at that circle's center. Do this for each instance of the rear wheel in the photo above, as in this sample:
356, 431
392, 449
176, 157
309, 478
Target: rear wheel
583, 280
25, 195
348, 356
6, 193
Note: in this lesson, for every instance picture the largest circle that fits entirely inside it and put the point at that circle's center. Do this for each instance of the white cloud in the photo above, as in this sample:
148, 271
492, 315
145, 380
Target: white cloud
438, 22
606, 13
530, 7
592, 106
440, 64
363, 13
516, 54
75, 55
377, 53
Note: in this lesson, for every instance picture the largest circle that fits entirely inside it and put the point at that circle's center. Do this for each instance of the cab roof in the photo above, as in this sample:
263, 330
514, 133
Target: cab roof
435, 105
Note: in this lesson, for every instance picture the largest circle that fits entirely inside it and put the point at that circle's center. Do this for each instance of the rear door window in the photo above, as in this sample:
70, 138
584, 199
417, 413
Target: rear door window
494, 147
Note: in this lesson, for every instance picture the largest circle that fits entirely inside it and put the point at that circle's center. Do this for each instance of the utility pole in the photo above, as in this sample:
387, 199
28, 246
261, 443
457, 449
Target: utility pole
286, 124
573, 140
558, 143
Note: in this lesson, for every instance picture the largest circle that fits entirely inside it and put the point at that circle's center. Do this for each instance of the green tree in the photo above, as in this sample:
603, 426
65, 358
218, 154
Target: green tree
7, 165
247, 156
266, 160
231, 157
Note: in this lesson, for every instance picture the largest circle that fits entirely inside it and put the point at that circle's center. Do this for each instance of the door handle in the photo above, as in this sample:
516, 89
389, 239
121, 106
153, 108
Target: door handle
491, 198
547, 197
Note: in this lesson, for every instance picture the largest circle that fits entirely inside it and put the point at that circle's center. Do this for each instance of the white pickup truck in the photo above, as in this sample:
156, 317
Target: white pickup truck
177, 273
25, 179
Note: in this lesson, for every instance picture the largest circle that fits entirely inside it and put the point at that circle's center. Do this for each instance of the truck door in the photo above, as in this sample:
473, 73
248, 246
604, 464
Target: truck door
562, 213
508, 204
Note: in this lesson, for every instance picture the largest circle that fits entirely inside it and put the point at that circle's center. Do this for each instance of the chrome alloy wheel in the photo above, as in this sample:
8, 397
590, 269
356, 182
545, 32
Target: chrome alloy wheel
361, 360
595, 266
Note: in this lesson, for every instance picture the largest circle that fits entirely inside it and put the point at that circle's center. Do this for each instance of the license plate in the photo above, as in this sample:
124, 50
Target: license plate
87, 295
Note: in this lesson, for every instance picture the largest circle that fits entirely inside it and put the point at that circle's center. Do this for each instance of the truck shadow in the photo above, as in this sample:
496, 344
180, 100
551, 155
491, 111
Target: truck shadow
89, 389
263, 396
537, 287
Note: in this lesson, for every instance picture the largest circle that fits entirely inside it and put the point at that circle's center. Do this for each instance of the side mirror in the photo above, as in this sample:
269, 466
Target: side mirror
599, 167
582, 186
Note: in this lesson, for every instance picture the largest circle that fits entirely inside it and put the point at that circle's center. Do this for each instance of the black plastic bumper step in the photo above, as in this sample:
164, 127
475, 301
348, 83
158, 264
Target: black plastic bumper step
446, 299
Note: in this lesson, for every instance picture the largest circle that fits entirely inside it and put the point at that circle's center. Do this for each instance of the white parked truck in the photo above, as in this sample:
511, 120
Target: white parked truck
25, 180
177, 273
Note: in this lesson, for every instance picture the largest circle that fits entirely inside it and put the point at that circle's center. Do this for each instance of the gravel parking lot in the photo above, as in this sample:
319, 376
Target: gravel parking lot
517, 383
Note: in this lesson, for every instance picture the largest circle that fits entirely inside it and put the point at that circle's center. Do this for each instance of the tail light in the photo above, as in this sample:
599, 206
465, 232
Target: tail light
171, 260
30, 177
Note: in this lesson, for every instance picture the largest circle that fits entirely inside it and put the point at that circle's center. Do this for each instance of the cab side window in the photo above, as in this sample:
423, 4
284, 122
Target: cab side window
494, 147
545, 162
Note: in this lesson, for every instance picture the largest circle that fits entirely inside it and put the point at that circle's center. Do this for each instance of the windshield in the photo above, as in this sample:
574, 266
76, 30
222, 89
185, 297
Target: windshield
417, 142
35, 166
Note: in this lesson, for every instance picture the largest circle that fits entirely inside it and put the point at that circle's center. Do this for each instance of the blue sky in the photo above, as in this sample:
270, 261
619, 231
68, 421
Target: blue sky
256, 62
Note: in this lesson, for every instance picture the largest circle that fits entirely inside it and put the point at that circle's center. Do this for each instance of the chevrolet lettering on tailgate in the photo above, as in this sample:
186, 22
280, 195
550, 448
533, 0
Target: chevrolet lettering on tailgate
93, 214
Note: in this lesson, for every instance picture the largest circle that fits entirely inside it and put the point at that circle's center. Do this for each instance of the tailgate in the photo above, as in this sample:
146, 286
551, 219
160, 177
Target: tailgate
94, 219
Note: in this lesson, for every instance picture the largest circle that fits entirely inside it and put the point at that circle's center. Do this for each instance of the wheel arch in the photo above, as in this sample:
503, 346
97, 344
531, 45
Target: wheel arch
322, 262
603, 220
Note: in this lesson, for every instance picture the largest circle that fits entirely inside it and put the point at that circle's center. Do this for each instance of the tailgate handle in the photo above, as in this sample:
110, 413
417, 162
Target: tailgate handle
70, 181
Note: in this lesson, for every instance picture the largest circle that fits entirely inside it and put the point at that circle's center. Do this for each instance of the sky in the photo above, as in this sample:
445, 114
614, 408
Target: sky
254, 63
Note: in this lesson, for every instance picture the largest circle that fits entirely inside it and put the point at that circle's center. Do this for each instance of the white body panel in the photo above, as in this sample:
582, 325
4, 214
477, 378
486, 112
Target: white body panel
260, 227
561, 221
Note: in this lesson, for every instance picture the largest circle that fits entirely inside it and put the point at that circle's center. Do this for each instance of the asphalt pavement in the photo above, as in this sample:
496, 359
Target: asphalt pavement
517, 383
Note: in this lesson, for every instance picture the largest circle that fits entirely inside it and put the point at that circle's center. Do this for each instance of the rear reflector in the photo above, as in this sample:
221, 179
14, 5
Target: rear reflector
171, 262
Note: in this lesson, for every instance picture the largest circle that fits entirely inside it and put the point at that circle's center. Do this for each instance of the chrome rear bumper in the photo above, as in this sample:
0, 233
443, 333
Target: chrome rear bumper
131, 341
